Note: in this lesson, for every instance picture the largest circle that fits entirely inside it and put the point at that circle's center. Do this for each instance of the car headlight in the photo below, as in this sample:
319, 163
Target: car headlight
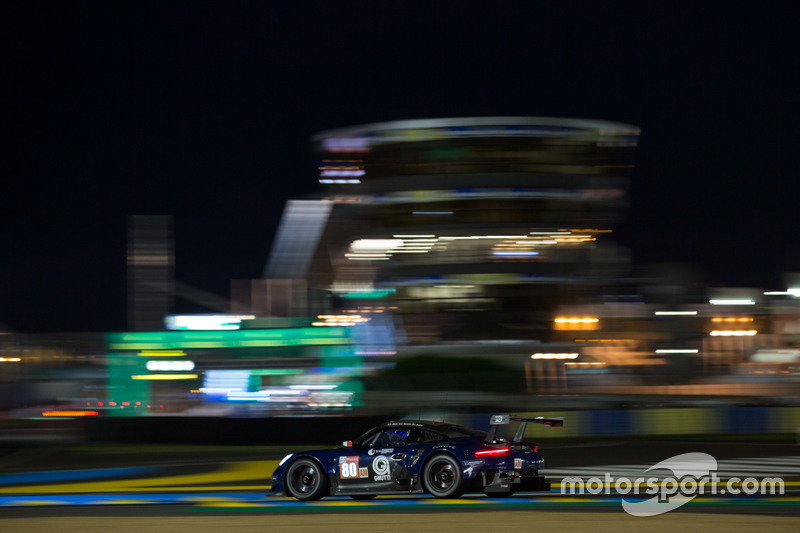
285, 459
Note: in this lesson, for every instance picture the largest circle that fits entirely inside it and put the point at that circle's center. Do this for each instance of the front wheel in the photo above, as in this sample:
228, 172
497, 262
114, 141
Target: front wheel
306, 480
443, 477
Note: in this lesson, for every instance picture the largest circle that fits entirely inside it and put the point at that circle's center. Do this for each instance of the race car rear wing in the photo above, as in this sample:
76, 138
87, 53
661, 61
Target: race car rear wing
502, 420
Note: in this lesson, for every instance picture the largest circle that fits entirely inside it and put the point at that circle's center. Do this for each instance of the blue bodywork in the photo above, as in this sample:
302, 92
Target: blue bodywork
413, 457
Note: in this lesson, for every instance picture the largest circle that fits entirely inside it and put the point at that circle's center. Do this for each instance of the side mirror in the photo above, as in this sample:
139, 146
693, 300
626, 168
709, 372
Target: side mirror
347, 444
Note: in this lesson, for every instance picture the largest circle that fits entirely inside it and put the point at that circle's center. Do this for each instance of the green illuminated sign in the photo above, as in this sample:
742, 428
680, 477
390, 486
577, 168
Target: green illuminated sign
372, 295
276, 372
124, 389
252, 338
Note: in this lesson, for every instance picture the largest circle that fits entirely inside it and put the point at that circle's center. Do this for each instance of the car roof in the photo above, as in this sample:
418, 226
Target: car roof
410, 422
452, 430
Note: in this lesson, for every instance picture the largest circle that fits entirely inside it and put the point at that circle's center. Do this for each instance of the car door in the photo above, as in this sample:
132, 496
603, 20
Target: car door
377, 464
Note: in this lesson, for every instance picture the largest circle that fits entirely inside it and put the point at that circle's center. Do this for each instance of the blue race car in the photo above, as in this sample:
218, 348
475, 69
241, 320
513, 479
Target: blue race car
415, 457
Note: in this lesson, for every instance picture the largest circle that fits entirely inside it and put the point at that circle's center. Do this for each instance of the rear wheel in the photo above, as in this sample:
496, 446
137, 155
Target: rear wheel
306, 480
443, 477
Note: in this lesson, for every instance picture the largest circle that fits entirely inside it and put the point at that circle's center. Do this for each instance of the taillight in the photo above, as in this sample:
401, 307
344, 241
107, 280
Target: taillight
536, 449
492, 452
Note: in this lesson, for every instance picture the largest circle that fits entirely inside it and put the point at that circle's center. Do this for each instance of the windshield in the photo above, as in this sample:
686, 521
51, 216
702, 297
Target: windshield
451, 431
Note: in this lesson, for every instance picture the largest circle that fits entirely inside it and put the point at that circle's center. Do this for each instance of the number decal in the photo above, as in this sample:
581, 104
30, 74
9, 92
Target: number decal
348, 467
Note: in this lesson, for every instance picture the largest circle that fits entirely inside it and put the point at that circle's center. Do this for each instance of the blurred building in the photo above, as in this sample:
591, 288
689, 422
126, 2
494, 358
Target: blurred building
449, 238
44, 371
466, 228
151, 264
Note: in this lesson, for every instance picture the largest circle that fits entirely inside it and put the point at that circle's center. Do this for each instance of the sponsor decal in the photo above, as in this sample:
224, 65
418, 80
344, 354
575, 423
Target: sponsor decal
417, 456
517, 463
382, 450
381, 467
363, 472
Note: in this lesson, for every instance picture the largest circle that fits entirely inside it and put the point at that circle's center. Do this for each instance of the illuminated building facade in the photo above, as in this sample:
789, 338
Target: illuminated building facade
267, 365
473, 228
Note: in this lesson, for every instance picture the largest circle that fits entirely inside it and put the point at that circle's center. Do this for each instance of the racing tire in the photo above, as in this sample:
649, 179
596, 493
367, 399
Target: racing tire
305, 480
442, 477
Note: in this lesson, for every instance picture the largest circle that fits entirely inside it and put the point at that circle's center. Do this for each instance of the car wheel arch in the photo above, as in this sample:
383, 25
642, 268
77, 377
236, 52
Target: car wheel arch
437, 453
431, 457
287, 486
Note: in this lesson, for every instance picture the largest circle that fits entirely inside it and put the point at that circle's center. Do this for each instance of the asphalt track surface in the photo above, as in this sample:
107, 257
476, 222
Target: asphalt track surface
215, 495
503, 520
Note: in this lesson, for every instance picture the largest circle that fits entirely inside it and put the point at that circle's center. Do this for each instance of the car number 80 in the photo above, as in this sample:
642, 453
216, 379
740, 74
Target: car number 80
348, 467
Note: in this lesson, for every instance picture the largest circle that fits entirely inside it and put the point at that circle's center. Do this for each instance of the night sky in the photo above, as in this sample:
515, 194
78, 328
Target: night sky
204, 110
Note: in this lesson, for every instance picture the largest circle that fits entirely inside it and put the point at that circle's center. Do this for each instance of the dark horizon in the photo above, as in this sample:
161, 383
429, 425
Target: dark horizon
204, 111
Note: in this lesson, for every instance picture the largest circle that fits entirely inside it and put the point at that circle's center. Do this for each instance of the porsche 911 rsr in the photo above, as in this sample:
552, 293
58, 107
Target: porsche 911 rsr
415, 457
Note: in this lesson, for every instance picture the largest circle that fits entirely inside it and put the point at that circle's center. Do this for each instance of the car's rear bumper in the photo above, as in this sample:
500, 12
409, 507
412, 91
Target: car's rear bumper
510, 481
